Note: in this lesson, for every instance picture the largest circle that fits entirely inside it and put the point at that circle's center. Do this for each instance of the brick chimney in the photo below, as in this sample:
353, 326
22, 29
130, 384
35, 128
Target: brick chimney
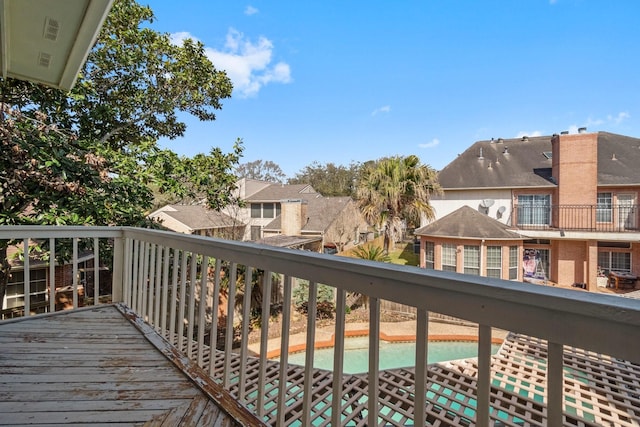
293, 216
575, 167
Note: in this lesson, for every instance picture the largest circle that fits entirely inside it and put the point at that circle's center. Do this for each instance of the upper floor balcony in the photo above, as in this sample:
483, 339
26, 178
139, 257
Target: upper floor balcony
616, 218
569, 358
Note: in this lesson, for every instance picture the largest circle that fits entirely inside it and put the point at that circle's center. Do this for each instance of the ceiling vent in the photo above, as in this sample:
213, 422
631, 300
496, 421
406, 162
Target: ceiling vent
44, 59
51, 29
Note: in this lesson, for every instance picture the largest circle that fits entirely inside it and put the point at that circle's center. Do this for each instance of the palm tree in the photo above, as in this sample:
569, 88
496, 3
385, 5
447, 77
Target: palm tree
371, 253
394, 189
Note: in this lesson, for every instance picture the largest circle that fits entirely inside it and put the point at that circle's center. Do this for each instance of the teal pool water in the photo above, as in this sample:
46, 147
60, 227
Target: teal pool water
392, 355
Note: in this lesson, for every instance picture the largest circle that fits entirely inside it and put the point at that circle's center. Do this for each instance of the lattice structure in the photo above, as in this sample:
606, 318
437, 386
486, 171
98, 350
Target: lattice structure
599, 390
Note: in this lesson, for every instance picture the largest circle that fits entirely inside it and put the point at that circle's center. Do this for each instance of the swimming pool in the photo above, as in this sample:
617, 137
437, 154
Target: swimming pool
392, 355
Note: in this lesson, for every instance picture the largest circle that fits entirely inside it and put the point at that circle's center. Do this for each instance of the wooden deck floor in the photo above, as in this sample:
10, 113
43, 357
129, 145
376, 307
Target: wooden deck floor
94, 366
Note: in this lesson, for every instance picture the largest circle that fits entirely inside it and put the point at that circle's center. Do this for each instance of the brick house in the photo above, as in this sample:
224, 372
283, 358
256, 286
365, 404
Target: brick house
572, 197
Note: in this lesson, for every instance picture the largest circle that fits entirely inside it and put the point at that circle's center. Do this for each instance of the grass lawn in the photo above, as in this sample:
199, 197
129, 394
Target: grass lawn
403, 254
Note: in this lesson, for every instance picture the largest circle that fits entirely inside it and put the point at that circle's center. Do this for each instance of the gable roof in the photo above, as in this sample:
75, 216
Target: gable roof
521, 162
468, 223
321, 211
277, 192
195, 217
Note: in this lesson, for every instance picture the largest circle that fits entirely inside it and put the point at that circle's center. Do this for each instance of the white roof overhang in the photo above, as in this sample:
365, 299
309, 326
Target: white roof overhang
47, 41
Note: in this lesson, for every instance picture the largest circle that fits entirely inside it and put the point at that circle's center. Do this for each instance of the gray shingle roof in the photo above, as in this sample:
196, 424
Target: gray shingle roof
283, 241
321, 211
199, 217
277, 192
468, 223
513, 163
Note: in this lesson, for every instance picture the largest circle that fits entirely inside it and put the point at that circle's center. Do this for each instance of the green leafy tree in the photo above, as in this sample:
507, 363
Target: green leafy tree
329, 179
262, 170
90, 155
325, 306
394, 191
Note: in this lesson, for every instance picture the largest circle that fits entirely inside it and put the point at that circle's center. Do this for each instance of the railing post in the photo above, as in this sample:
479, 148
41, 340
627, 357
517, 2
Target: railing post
338, 359
374, 360
422, 351
117, 278
307, 396
52, 274
555, 399
27, 279
484, 376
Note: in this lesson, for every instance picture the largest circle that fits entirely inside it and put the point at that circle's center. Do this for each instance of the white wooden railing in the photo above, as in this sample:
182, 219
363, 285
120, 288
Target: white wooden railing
160, 275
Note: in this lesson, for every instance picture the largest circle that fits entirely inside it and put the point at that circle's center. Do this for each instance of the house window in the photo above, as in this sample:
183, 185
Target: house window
429, 254
535, 264
265, 210
513, 262
268, 210
494, 261
614, 261
14, 296
449, 257
534, 209
256, 210
603, 208
256, 232
472, 260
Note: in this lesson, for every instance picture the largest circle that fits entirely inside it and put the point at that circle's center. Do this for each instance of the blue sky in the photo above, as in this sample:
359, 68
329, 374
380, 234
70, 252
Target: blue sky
341, 81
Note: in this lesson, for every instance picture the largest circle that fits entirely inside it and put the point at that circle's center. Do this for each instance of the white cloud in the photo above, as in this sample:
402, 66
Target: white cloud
623, 115
612, 120
250, 10
384, 109
248, 64
434, 142
179, 37
534, 133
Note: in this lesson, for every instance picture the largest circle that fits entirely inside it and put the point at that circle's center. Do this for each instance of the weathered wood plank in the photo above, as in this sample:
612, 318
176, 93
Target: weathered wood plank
93, 366
94, 405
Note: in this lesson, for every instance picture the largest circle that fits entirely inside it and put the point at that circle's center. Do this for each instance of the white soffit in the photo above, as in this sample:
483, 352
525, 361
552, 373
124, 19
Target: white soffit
47, 41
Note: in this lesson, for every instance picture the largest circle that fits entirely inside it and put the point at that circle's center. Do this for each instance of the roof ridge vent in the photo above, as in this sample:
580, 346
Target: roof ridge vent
582, 130
525, 138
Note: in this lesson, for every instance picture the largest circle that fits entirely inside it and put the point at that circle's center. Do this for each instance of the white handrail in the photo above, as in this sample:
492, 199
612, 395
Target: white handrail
156, 273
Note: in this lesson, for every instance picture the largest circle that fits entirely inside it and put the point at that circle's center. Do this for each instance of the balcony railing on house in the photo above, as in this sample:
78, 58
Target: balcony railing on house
571, 358
610, 218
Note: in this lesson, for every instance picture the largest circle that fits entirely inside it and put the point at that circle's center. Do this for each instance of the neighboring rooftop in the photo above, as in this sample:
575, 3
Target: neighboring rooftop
468, 223
196, 217
291, 242
526, 162
321, 212
277, 192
